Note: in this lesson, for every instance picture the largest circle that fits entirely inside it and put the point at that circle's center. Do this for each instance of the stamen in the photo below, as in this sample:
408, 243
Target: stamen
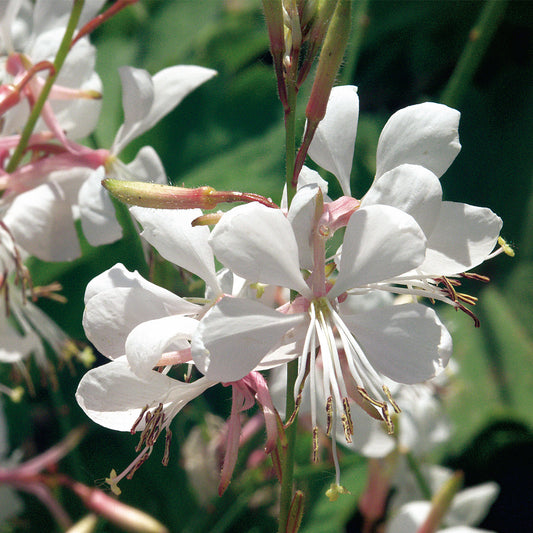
315, 444
381, 405
141, 461
471, 300
348, 413
297, 403
391, 400
460, 306
138, 421
476, 277
166, 454
329, 413
346, 427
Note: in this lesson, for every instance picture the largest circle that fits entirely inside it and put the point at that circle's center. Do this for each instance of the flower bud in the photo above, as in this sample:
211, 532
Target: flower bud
329, 61
122, 515
296, 512
159, 196
86, 525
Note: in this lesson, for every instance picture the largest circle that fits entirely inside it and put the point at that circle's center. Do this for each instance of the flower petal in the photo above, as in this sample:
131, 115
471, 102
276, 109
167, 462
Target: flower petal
407, 343
111, 313
423, 134
37, 217
148, 341
411, 188
462, 239
235, 335
113, 396
97, 211
302, 214
148, 99
258, 243
380, 242
148, 167
471, 505
171, 233
333, 144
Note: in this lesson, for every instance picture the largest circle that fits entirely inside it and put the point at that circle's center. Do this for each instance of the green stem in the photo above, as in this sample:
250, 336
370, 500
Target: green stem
354, 48
41, 100
419, 477
473, 52
287, 467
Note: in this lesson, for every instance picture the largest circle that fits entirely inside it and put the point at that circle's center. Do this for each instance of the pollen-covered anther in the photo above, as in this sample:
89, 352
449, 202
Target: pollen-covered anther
297, 403
348, 413
138, 421
166, 454
385, 415
329, 414
315, 444
154, 423
346, 427
391, 399
476, 277
467, 298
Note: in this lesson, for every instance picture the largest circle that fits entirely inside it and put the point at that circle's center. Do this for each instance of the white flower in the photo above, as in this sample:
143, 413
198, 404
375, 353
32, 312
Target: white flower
139, 326
415, 148
468, 508
36, 32
37, 216
406, 343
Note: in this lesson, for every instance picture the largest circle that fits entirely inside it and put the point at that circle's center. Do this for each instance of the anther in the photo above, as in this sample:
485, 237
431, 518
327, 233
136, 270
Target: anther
348, 412
391, 400
315, 444
329, 413
297, 403
166, 454
138, 421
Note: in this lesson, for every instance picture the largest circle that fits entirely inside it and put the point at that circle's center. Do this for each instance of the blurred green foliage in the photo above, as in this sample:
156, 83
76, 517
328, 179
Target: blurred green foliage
229, 134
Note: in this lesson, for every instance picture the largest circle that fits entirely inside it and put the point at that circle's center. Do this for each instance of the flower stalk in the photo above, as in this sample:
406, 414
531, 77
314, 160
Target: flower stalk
61, 55
169, 197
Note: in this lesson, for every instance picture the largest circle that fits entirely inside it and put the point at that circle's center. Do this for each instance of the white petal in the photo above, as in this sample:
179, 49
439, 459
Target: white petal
258, 244
235, 335
137, 99
471, 505
113, 396
409, 518
407, 343
333, 144
37, 217
171, 233
111, 313
148, 341
423, 134
148, 167
97, 211
411, 188
301, 215
380, 242
154, 97
462, 239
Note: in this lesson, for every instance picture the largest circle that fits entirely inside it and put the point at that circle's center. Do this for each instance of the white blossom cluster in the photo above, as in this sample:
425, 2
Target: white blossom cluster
356, 312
